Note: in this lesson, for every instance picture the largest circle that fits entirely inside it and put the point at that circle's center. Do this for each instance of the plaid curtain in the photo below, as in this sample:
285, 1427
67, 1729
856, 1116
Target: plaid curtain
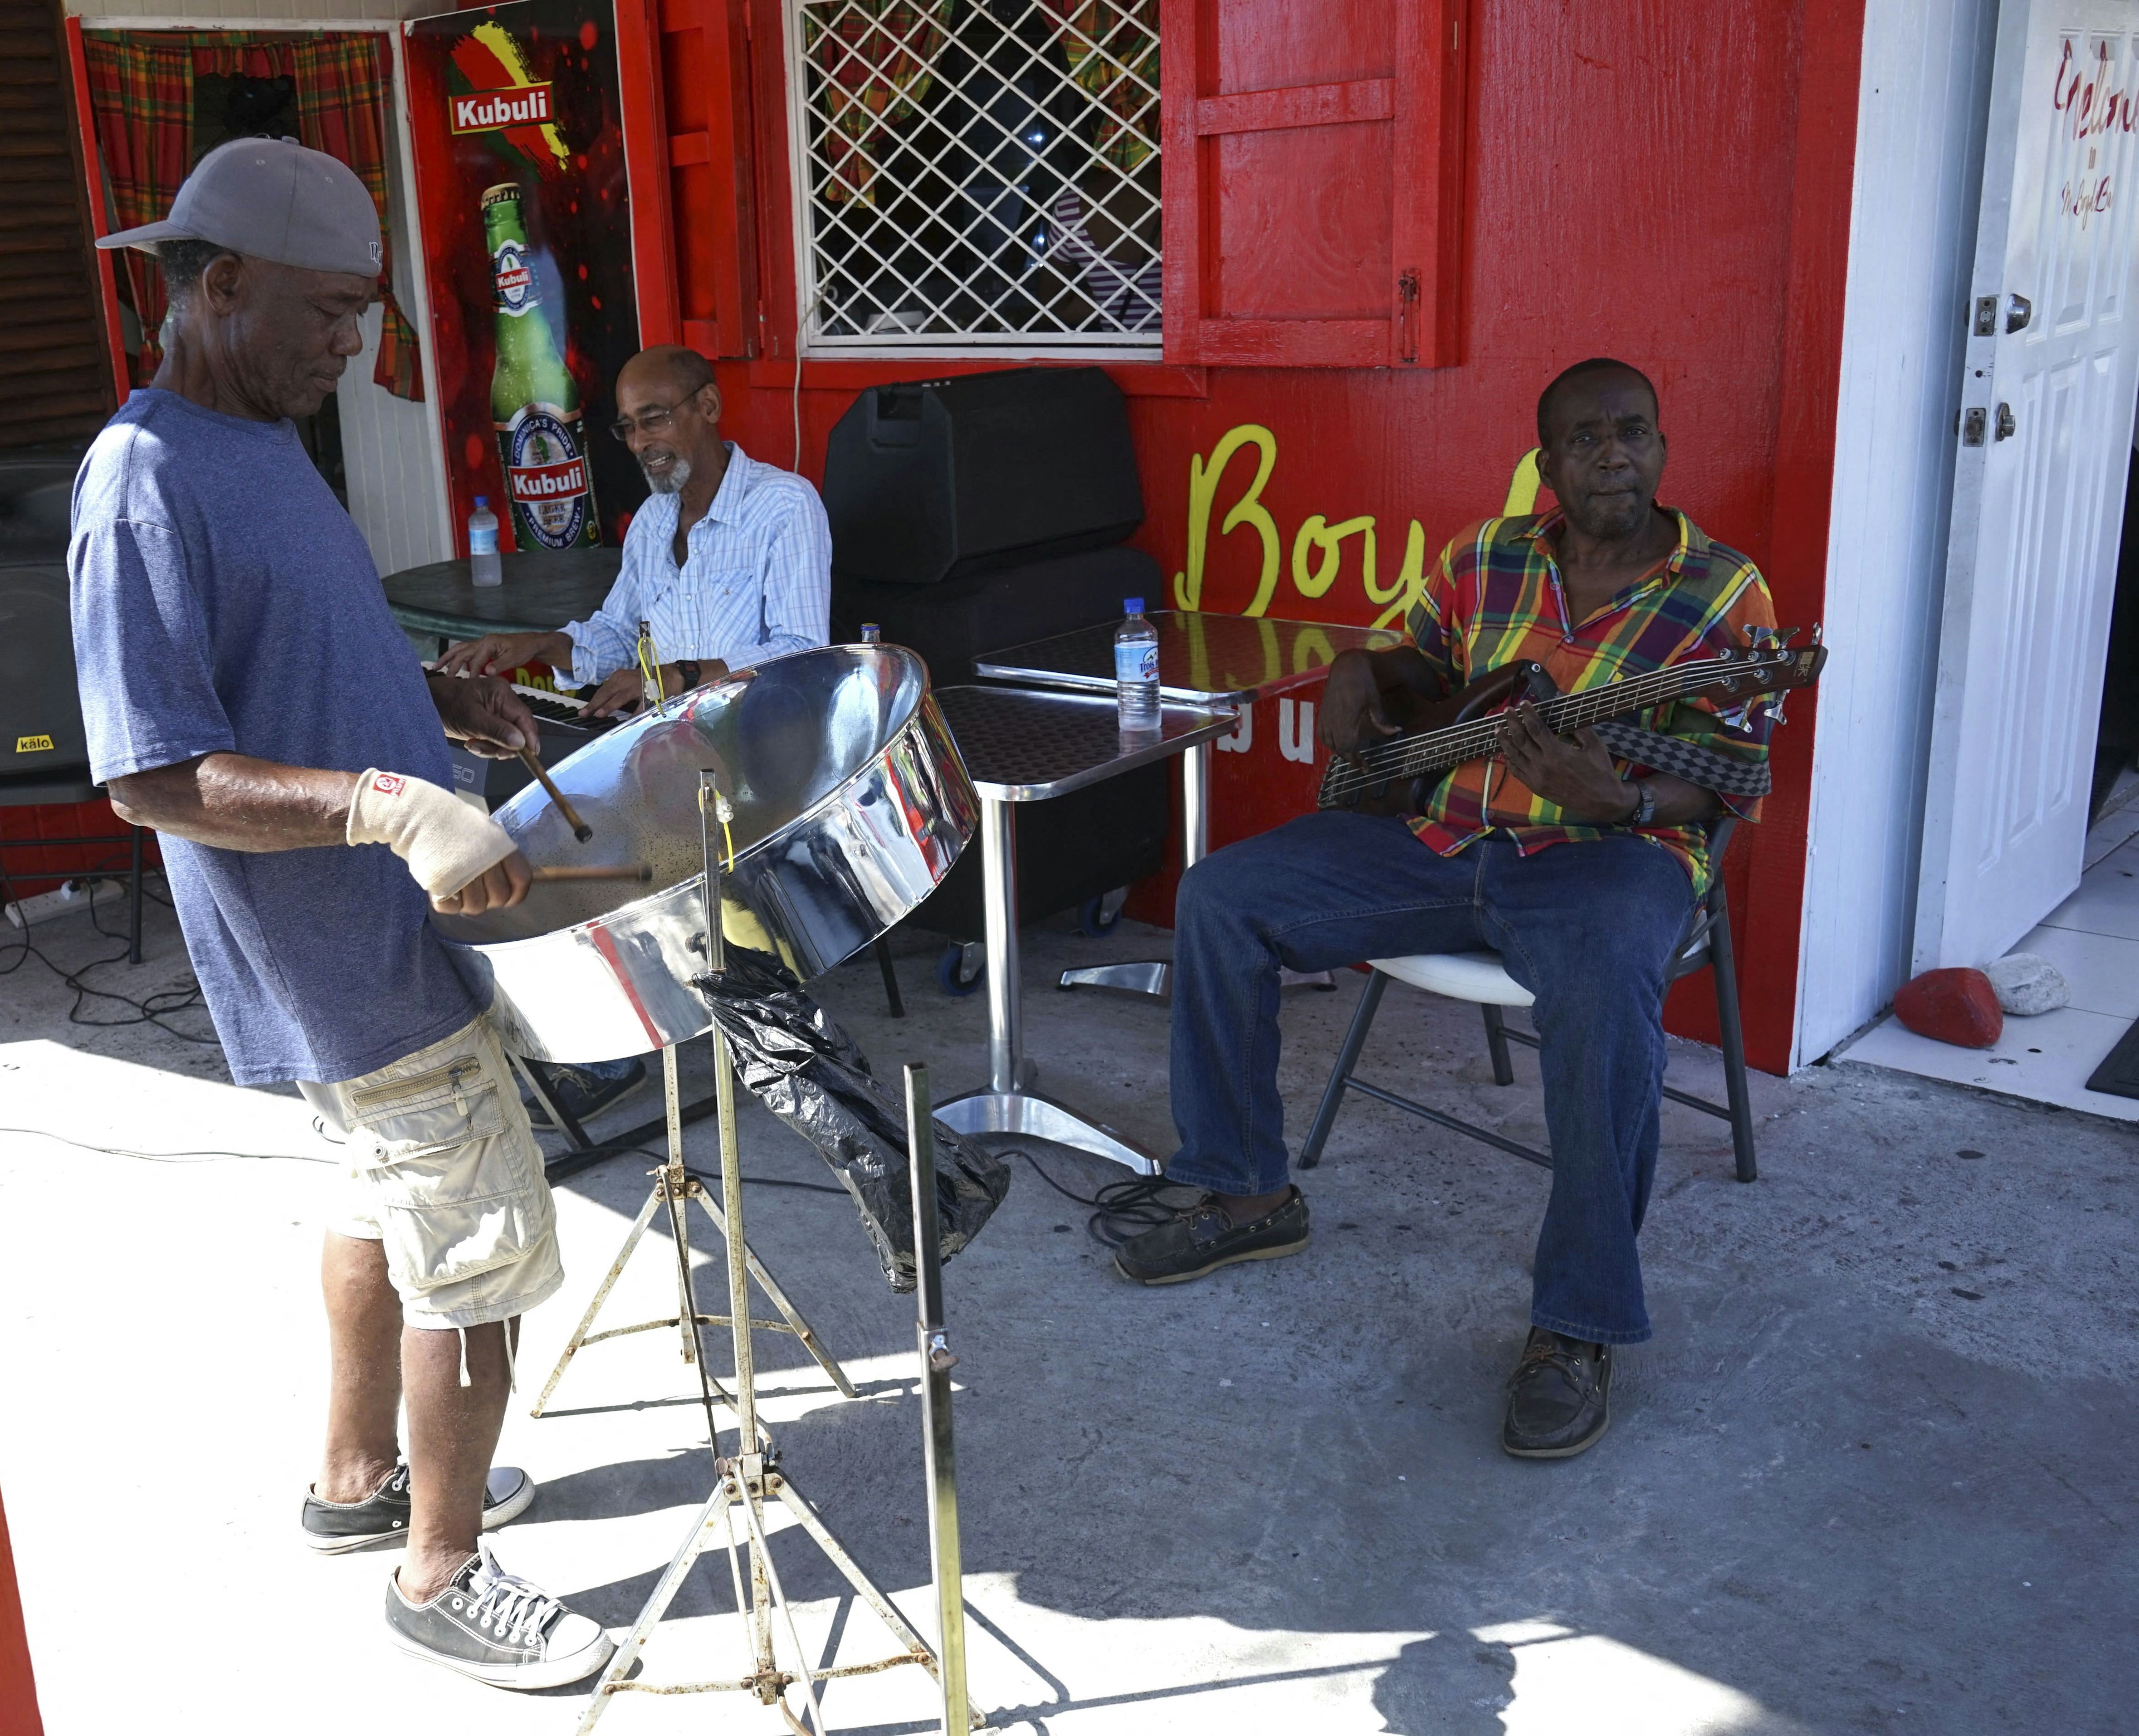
1113, 49
874, 62
228, 57
141, 90
341, 109
141, 95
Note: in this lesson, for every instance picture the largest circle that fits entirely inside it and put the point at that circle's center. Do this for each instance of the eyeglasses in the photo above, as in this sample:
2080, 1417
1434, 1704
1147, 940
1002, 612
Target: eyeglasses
656, 421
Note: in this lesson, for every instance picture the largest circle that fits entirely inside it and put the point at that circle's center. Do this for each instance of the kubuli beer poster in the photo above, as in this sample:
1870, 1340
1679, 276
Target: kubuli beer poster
517, 126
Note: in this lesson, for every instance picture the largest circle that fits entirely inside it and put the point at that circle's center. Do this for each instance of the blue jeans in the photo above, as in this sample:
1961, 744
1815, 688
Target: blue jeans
1587, 928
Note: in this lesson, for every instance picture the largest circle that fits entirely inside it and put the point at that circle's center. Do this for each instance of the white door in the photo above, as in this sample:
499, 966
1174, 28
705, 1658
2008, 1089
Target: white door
2038, 489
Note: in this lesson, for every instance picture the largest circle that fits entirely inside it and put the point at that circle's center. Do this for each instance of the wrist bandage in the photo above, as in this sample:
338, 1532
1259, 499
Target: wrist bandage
443, 839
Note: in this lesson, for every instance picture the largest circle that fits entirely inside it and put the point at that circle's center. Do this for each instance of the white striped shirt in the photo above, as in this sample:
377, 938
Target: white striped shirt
756, 582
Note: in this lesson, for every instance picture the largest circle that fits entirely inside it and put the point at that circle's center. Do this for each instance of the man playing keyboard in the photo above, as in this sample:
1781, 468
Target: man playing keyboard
729, 563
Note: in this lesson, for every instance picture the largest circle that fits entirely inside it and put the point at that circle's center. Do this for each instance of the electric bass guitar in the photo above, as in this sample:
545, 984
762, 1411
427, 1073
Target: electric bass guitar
1397, 776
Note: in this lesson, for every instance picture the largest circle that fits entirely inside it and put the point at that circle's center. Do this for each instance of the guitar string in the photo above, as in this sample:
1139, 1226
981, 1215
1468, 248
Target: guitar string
1562, 712
1470, 741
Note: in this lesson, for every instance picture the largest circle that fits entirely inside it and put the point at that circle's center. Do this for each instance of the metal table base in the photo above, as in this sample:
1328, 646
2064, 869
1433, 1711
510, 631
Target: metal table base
1218, 661
1007, 1103
1002, 736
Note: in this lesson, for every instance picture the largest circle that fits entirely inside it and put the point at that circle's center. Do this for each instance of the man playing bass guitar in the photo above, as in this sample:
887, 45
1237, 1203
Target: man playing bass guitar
1579, 869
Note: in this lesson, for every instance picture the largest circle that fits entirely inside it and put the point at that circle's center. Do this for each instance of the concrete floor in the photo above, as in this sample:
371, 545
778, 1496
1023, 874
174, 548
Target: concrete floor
1870, 1475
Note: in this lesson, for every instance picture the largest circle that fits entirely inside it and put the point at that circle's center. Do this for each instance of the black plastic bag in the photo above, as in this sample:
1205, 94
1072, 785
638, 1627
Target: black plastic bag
807, 1070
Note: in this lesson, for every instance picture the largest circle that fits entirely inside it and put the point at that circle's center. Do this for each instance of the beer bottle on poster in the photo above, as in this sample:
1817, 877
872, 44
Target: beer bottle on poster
534, 403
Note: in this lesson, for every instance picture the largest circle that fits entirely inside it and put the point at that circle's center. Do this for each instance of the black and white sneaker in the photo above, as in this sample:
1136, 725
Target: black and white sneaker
334, 1528
497, 1628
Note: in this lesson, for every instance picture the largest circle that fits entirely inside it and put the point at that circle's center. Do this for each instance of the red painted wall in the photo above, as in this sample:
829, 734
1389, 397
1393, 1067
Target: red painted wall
18, 1690
30, 869
1666, 183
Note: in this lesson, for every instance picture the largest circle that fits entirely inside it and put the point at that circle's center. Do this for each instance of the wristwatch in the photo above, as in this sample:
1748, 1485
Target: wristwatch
1645, 803
689, 669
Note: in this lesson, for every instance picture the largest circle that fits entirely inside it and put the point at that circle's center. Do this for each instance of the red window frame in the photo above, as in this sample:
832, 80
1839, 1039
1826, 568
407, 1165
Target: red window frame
716, 70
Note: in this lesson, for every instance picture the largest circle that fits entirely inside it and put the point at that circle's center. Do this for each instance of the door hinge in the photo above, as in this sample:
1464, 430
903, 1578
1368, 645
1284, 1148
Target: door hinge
1973, 425
1407, 316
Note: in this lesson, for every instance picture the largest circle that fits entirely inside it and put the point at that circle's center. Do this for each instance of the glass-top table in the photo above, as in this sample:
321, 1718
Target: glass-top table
1216, 661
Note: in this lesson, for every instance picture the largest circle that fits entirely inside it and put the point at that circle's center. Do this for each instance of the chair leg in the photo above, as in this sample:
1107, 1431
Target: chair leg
1348, 1058
1496, 1041
1724, 966
890, 979
133, 903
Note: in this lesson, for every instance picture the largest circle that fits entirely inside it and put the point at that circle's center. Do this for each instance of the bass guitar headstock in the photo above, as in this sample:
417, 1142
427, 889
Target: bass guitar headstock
1755, 669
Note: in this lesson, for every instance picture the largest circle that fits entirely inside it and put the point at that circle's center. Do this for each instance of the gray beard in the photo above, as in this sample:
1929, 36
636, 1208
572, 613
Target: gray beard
679, 473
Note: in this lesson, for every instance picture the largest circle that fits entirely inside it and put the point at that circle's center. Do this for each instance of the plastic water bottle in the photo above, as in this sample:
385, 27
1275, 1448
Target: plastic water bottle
484, 567
1136, 669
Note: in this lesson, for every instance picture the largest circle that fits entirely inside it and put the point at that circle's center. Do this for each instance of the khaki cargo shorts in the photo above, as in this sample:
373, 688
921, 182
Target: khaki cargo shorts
443, 1169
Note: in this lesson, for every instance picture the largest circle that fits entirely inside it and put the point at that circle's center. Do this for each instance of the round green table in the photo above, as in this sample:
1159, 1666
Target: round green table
540, 592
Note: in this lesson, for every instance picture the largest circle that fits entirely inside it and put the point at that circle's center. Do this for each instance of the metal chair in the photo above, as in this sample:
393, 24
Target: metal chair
70, 785
1479, 977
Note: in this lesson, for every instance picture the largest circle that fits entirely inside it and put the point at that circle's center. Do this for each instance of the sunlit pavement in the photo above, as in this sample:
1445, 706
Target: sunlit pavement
1870, 1475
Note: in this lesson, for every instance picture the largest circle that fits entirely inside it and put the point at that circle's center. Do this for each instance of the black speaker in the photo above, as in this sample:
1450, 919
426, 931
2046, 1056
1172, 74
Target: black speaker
940, 479
952, 623
40, 712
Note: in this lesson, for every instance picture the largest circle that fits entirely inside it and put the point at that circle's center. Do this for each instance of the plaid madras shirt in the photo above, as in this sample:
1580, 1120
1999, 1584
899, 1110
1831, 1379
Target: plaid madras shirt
1495, 598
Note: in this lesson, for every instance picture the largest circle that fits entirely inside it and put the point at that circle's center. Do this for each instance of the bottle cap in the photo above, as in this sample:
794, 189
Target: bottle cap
1131, 605
483, 501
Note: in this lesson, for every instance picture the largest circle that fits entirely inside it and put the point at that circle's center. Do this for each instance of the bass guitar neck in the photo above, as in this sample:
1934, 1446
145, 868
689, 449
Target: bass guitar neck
1395, 768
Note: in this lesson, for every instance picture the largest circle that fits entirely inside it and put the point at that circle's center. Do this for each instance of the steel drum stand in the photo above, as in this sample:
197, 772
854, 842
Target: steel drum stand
751, 1477
675, 1188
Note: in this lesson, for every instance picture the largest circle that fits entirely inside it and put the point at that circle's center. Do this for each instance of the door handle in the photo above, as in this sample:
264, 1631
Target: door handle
2006, 424
2019, 310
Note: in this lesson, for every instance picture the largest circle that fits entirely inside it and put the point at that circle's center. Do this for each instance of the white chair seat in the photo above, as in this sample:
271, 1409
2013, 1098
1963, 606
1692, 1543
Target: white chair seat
1475, 976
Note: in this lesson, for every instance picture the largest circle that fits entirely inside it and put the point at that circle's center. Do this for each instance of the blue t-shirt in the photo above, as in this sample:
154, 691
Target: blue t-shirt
224, 602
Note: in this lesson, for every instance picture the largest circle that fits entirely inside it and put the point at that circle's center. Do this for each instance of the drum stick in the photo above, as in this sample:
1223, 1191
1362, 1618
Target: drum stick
632, 871
581, 829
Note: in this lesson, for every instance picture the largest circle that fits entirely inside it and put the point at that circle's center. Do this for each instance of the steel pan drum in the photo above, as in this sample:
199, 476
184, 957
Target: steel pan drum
851, 803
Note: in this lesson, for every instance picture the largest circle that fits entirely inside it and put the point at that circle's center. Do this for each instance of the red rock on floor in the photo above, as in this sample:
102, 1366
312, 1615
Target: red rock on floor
1957, 1006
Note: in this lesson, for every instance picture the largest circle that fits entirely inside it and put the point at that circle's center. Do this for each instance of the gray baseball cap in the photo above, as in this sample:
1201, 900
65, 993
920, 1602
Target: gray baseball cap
274, 199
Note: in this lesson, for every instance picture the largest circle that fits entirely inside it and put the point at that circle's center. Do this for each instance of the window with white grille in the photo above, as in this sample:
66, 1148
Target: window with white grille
978, 172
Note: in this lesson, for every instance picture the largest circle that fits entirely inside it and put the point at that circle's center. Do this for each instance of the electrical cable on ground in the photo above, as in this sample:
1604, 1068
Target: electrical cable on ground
1123, 1208
156, 1009
212, 1156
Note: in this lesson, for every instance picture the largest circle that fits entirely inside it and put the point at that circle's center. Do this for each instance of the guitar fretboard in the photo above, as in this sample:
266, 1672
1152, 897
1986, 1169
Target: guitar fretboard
1413, 756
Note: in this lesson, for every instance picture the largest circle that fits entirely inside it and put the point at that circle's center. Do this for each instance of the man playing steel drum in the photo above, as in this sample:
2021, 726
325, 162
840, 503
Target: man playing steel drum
248, 695
729, 562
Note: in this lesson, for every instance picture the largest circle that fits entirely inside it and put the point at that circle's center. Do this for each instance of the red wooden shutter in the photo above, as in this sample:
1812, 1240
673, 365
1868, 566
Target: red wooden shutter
1313, 181
694, 57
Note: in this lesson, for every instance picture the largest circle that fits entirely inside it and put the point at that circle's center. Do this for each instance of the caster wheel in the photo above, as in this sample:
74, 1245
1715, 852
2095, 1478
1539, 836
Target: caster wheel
951, 972
1097, 918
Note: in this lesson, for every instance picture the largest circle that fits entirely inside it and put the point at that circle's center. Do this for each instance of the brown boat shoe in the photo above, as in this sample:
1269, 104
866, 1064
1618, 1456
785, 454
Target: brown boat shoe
1200, 1239
1559, 1397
